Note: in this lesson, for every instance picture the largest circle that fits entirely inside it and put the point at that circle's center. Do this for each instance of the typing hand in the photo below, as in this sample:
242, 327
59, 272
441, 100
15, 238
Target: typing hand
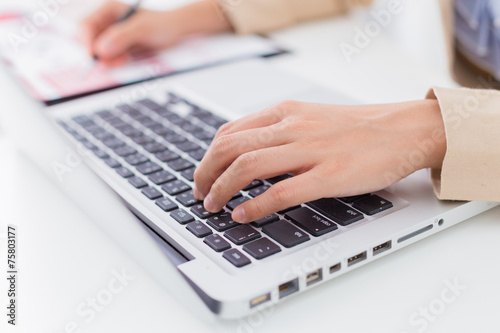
333, 151
114, 42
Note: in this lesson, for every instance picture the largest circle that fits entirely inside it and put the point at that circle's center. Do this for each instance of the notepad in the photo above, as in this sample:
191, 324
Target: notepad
54, 66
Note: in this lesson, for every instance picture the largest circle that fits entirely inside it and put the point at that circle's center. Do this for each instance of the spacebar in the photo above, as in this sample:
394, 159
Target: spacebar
336, 210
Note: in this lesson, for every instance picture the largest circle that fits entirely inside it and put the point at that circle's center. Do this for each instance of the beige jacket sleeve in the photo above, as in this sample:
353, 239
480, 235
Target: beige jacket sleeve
260, 16
471, 167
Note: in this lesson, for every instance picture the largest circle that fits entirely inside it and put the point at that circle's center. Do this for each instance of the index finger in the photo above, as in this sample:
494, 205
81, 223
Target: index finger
94, 24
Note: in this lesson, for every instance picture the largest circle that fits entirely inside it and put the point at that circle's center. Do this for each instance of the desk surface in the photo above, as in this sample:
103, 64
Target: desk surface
65, 260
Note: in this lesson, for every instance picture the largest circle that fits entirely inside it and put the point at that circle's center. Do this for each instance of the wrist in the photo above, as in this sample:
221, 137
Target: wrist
426, 137
203, 17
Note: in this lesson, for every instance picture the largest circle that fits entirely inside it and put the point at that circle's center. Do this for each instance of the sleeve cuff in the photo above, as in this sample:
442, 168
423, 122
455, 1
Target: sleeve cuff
261, 16
471, 166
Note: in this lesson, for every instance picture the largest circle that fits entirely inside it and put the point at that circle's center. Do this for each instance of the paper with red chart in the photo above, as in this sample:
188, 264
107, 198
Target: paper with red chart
52, 63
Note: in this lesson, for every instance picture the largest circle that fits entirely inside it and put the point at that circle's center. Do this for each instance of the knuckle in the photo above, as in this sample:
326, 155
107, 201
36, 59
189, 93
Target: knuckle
222, 145
296, 125
280, 194
287, 106
224, 129
247, 161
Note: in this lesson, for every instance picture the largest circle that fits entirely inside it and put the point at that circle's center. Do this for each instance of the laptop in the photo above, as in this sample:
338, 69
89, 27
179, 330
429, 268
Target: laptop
144, 141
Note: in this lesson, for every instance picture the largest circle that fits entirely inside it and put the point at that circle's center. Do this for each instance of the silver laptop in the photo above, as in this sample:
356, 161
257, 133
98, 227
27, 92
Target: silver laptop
144, 142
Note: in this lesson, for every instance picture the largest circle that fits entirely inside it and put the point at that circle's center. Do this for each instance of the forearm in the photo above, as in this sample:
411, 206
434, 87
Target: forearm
204, 16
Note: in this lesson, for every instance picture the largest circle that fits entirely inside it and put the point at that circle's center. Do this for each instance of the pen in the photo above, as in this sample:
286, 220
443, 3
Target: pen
129, 13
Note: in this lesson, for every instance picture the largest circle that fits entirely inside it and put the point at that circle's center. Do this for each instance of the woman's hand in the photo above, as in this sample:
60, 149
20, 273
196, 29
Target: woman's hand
332, 150
114, 42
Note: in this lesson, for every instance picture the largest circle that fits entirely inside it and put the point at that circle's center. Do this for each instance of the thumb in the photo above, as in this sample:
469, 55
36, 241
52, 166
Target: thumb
118, 39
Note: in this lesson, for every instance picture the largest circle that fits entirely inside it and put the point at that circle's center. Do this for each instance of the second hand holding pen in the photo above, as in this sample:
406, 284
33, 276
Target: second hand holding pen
129, 13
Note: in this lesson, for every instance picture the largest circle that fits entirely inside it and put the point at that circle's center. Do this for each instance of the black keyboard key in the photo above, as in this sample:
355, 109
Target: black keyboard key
154, 147
213, 121
283, 211
161, 177
191, 128
131, 132
181, 216
200, 211
136, 159
310, 221
150, 104
148, 168
258, 190
253, 184
198, 229
162, 130
104, 114
174, 138
113, 143
198, 154
236, 202
137, 182
187, 199
100, 153
142, 139
166, 204
237, 195
151, 193
285, 233
217, 243
180, 164
336, 210
372, 205
82, 119
112, 163
187, 146
167, 156
261, 248
279, 178
89, 145
242, 234
353, 198
151, 124
188, 174
236, 258
104, 135
203, 135
265, 220
124, 172
222, 222
176, 187
124, 151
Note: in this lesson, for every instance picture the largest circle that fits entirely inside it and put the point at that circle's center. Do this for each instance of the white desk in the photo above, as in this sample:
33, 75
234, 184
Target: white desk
65, 258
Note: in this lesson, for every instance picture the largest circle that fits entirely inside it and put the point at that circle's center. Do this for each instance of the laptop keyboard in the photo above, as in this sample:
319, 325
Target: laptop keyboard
156, 149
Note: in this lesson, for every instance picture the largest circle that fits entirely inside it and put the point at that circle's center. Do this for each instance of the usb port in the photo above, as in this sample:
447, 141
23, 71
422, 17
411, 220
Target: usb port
314, 277
259, 300
382, 247
357, 258
288, 288
335, 268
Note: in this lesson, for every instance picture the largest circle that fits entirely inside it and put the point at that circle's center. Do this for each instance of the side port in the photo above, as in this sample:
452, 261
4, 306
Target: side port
382, 248
355, 259
314, 277
259, 300
335, 268
288, 288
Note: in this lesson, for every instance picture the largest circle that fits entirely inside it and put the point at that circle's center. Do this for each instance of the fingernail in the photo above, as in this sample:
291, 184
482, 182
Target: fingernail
239, 215
197, 194
209, 204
